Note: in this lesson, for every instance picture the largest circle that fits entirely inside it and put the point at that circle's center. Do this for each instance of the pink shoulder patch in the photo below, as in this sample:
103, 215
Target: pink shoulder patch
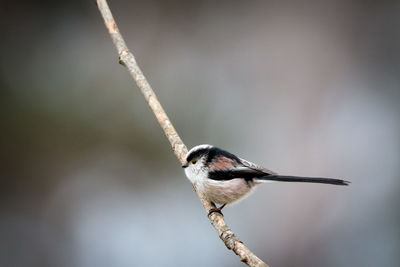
222, 163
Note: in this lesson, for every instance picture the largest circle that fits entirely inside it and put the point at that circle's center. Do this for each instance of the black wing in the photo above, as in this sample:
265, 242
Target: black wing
245, 169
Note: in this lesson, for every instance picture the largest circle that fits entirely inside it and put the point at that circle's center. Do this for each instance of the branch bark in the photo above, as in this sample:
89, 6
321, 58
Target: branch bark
127, 59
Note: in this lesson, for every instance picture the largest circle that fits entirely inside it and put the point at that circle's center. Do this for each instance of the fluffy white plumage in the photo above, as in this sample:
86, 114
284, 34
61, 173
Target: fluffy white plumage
217, 191
223, 178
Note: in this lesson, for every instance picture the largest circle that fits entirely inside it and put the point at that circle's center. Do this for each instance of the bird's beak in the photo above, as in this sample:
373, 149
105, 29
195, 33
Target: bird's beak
185, 165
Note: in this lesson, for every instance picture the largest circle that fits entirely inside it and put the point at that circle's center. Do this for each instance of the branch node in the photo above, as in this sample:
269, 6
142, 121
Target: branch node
121, 62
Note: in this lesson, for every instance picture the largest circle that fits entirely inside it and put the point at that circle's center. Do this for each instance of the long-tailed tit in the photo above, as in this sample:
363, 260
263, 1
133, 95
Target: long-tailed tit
223, 178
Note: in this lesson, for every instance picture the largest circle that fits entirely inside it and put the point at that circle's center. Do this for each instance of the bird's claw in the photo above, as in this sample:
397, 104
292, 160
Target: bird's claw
218, 210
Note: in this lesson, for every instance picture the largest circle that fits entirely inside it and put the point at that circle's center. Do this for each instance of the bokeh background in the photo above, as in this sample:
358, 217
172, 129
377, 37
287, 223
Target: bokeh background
302, 87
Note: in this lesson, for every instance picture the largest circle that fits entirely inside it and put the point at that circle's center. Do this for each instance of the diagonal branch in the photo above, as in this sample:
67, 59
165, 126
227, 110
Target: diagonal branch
127, 59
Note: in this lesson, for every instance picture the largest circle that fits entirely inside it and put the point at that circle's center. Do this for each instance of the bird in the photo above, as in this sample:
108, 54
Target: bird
223, 178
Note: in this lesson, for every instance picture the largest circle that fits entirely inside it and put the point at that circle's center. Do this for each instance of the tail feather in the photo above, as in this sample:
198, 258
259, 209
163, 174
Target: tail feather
284, 178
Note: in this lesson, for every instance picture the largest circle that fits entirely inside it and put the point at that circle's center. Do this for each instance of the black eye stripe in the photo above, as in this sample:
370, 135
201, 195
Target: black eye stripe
196, 154
211, 154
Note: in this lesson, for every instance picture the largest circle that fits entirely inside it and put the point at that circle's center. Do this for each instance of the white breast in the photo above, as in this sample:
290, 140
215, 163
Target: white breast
219, 192
224, 192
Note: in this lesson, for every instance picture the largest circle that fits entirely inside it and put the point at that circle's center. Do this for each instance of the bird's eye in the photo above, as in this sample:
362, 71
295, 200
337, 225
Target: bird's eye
193, 161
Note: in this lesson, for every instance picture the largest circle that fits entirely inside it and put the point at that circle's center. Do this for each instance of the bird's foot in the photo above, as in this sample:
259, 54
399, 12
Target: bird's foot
216, 210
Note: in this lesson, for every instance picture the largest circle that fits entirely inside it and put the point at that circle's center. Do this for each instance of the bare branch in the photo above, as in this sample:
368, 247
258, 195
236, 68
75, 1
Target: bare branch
127, 59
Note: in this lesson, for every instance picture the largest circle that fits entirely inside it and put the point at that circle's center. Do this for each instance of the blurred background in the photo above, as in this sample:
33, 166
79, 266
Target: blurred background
301, 87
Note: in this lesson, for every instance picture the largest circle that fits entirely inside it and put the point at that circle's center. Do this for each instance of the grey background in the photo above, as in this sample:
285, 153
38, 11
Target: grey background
302, 87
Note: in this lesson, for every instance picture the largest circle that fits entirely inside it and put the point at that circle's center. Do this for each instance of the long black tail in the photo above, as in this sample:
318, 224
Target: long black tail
284, 178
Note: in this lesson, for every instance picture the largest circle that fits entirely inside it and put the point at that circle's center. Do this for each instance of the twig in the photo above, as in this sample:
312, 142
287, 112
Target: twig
127, 59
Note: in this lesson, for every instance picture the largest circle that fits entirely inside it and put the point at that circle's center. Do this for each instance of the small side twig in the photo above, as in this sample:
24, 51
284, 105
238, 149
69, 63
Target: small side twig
127, 59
